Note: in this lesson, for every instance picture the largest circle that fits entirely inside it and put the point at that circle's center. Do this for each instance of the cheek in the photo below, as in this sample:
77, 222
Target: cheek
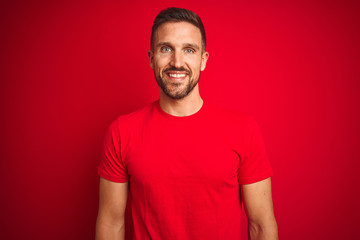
196, 68
160, 64
194, 63
162, 60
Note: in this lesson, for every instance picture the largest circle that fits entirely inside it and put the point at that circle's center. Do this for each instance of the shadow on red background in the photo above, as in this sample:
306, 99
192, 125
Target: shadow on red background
69, 69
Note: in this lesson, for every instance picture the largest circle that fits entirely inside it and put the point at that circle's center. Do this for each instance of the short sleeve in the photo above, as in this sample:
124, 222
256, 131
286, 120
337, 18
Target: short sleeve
111, 165
254, 164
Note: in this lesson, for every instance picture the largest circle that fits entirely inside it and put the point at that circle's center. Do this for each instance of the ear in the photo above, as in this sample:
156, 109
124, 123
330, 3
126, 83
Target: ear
204, 59
151, 58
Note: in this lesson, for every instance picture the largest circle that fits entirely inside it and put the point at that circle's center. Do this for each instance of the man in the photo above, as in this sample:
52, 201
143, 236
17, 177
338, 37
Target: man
187, 164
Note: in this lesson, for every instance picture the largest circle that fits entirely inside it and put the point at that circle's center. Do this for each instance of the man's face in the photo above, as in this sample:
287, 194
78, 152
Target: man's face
177, 58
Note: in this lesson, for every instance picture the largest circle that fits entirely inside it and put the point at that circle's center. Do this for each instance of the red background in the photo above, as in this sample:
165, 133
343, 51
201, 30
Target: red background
69, 69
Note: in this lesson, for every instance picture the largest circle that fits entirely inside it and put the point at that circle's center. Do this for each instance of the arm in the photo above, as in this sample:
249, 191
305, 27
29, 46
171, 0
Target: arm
110, 223
259, 210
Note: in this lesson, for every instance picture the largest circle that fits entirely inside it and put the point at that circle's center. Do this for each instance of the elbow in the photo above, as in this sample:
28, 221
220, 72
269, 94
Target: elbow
114, 223
107, 228
265, 230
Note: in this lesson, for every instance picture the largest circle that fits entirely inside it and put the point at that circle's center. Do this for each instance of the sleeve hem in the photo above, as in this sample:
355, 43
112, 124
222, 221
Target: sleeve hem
113, 179
256, 179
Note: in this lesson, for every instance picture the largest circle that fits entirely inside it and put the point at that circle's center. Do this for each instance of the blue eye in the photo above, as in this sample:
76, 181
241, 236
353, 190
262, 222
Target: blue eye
165, 49
189, 50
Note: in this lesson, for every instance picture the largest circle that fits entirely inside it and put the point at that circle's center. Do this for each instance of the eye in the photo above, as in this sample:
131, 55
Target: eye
189, 50
165, 49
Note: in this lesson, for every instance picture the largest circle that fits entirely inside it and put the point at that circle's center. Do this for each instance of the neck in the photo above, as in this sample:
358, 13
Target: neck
186, 106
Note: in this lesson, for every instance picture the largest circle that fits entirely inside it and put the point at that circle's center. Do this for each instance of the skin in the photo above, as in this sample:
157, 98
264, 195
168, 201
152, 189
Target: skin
178, 46
178, 50
110, 222
259, 210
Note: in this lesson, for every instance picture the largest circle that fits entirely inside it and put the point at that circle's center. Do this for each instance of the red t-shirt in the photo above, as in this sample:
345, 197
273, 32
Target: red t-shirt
184, 172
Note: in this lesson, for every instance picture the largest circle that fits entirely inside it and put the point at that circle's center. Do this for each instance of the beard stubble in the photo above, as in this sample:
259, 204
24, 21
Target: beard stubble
171, 89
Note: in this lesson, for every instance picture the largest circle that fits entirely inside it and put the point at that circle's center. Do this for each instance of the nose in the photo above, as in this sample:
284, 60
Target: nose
177, 59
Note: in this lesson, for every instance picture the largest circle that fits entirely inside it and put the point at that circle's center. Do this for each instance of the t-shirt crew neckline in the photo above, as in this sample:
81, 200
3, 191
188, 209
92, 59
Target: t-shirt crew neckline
179, 118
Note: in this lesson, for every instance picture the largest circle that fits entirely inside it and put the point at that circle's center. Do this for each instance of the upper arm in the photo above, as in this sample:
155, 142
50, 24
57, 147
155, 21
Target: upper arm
112, 202
258, 202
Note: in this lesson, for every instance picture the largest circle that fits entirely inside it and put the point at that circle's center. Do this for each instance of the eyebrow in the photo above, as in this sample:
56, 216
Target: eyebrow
193, 45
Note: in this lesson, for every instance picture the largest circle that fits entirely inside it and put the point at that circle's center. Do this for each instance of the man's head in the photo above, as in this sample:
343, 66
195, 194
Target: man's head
177, 52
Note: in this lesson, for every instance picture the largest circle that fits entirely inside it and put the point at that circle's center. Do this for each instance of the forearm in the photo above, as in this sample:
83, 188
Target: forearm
109, 231
267, 231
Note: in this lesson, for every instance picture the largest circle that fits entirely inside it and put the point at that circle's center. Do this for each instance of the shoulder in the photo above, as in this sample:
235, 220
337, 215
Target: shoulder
232, 121
229, 115
127, 121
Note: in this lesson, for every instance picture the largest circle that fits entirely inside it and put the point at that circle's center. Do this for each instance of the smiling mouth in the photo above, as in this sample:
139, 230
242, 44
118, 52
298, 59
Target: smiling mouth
177, 75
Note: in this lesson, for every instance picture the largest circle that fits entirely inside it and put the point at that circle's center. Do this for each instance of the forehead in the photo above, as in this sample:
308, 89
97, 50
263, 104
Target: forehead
178, 32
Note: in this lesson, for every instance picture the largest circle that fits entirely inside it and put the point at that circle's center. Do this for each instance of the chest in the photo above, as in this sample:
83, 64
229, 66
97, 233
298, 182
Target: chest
182, 153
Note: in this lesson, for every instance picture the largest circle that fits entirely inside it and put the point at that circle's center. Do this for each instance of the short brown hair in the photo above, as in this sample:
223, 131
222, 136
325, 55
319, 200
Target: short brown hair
174, 14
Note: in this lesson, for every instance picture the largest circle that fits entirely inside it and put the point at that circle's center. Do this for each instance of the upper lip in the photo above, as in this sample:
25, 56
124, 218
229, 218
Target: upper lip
176, 72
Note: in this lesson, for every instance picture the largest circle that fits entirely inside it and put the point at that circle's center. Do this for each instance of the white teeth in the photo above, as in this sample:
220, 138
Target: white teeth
177, 75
